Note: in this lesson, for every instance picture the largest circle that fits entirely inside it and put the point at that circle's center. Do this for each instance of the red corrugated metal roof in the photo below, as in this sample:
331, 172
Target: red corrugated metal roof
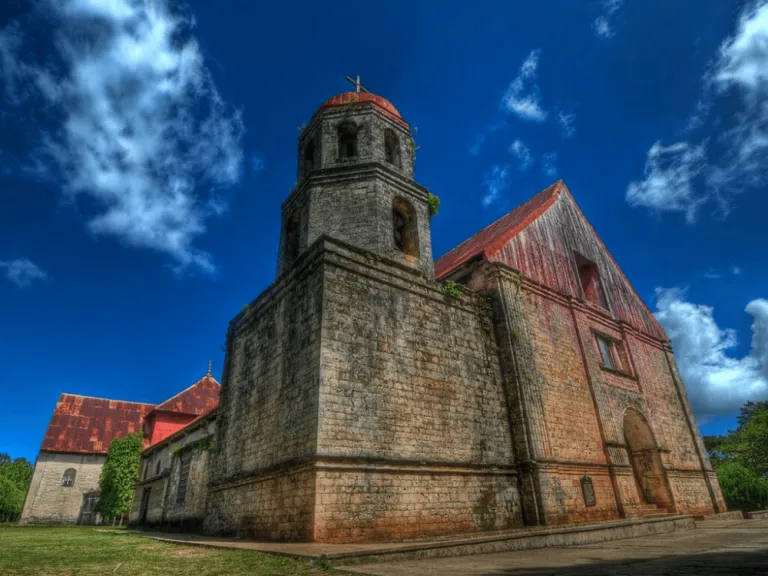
493, 237
197, 399
84, 424
88, 425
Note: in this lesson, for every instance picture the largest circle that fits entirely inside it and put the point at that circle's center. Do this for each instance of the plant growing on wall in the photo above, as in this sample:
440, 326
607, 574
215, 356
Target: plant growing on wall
433, 202
120, 472
206, 444
450, 287
414, 148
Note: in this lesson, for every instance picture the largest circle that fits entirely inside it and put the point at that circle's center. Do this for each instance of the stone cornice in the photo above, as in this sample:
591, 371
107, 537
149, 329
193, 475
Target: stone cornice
357, 171
331, 462
330, 251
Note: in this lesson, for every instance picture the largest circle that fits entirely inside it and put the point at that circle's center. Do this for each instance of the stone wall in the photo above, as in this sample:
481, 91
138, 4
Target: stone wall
50, 502
161, 472
361, 402
411, 407
267, 415
395, 502
277, 506
558, 385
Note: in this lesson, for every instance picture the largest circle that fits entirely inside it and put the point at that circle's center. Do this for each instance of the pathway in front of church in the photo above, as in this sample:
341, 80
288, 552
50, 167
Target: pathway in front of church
714, 548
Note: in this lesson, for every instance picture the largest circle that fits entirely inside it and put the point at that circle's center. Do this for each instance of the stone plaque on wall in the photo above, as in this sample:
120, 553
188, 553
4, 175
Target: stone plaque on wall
588, 491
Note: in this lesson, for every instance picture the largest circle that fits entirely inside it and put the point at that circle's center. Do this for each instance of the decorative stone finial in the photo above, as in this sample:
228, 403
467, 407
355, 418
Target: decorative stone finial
209, 368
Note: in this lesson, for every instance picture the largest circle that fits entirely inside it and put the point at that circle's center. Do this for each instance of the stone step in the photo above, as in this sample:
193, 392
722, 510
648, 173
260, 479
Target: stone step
656, 514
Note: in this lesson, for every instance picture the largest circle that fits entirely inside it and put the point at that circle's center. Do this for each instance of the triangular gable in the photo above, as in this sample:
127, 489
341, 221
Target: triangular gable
199, 398
538, 237
492, 237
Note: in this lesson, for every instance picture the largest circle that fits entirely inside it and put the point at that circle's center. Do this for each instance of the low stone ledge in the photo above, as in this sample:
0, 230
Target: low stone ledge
757, 514
733, 515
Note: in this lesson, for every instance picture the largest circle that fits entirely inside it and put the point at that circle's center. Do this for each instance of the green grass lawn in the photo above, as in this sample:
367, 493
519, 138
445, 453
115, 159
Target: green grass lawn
76, 550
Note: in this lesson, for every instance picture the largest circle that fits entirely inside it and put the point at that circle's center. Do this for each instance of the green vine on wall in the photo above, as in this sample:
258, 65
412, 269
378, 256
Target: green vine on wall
414, 131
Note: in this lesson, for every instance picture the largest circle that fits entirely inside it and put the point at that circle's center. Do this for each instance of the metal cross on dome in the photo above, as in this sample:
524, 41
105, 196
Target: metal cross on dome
357, 84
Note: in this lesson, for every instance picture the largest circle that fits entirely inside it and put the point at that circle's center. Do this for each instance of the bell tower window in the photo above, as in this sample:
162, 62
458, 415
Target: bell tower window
391, 147
347, 140
309, 155
404, 230
292, 237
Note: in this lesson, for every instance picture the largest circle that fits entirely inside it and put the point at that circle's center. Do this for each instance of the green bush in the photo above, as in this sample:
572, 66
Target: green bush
742, 488
11, 500
118, 475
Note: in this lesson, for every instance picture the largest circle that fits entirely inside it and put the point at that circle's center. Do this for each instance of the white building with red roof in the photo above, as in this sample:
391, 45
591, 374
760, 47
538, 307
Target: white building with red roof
65, 483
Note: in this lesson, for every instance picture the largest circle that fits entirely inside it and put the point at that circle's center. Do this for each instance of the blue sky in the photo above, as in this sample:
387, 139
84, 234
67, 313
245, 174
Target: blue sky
146, 147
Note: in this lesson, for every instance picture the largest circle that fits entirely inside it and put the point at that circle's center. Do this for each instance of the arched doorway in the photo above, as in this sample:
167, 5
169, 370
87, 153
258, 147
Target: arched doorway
644, 456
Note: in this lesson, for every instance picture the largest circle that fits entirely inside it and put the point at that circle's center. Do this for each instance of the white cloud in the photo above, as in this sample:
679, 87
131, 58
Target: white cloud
549, 164
669, 179
483, 136
22, 271
603, 25
712, 274
742, 68
566, 122
522, 95
522, 153
142, 131
716, 383
736, 271
738, 78
495, 182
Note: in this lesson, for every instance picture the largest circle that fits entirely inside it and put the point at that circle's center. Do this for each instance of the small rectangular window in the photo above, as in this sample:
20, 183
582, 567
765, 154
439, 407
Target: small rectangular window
181, 493
590, 281
605, 346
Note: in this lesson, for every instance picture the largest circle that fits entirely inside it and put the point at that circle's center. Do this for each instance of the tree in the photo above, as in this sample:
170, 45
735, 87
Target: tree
742, 488
15, 476
118, 476
747, 445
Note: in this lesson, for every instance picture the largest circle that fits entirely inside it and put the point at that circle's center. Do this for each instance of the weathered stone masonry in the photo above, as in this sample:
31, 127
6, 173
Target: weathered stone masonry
412, 436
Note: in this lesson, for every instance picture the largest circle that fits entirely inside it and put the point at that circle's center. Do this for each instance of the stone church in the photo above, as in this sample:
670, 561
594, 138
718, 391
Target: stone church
371, 393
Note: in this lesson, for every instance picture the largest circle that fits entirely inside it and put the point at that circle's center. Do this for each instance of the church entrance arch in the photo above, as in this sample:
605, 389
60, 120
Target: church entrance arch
645, 458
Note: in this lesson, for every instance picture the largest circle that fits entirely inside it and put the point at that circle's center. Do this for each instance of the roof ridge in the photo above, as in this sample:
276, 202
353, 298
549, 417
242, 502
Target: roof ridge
107, 399
465, 251
206, 377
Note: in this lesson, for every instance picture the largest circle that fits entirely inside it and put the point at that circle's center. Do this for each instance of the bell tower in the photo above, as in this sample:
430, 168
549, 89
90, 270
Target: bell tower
355, 184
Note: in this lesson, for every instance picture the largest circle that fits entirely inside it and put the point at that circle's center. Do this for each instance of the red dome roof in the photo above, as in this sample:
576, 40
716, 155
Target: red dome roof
362, 97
